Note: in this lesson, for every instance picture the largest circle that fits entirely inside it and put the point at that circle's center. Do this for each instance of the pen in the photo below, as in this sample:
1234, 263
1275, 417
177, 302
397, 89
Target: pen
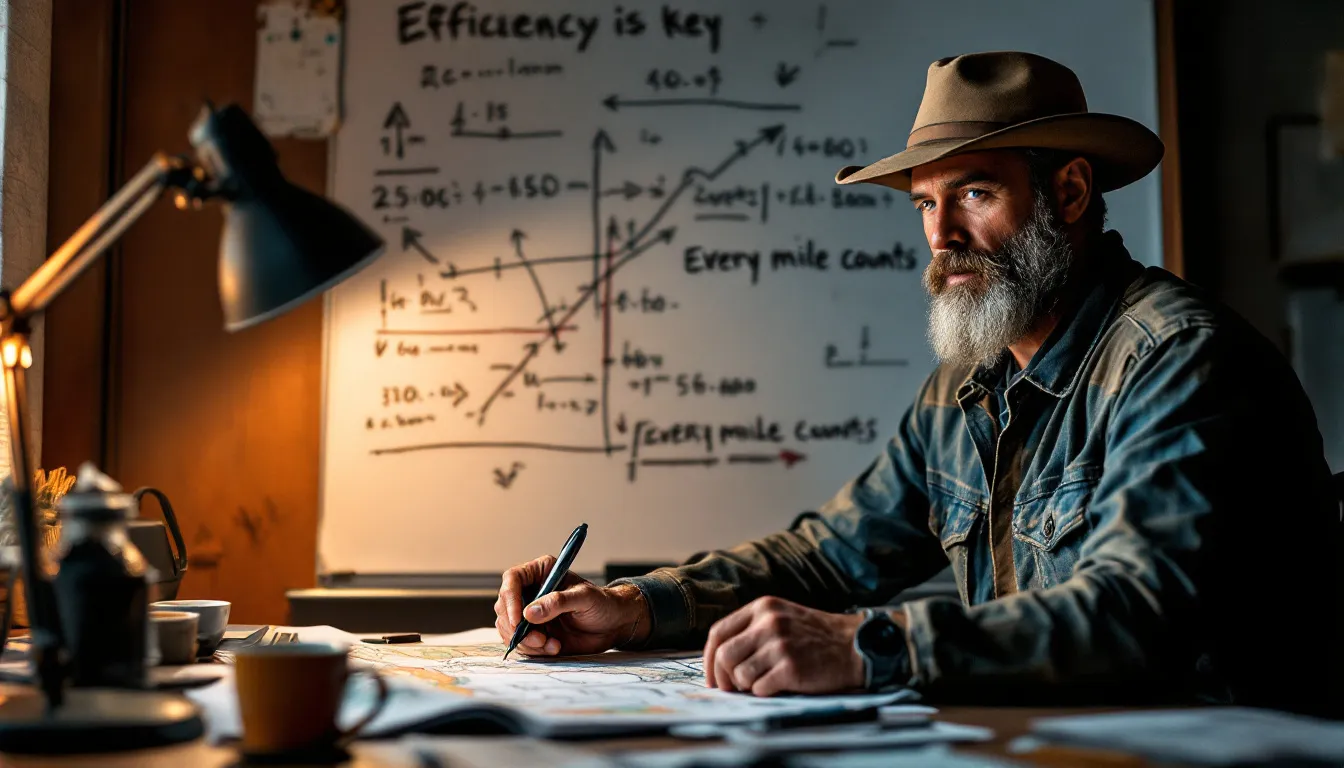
562, 563
410, 637
818, 717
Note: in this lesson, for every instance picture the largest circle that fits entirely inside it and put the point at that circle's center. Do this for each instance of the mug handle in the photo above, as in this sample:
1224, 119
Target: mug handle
383, 693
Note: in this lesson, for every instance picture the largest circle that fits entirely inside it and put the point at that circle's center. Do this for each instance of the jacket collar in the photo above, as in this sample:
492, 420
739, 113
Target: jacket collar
1055, 367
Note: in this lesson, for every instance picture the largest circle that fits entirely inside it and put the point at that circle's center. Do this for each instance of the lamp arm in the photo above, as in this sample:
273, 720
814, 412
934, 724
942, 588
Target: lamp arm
98, 234
30, 299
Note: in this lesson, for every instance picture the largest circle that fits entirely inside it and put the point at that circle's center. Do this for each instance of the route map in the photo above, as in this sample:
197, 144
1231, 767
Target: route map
597, 688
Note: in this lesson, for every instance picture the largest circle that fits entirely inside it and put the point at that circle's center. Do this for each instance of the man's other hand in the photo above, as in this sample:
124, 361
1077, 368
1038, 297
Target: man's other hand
578, 617
772, 646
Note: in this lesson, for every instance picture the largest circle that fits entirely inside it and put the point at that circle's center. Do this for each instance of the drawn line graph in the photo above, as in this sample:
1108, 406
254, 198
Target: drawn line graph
607, 257
636, 245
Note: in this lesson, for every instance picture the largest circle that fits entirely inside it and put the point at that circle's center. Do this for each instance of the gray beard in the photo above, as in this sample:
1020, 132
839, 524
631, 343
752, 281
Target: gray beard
972, 323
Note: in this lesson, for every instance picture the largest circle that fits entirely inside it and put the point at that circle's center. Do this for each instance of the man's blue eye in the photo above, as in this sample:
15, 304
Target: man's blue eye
970, 192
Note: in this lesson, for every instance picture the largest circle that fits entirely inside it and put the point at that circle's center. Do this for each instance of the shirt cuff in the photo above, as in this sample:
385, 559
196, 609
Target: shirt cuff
669, 609
919, 641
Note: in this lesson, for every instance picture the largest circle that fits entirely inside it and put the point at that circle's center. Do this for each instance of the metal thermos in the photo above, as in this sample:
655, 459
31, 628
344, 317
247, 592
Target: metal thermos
102, 585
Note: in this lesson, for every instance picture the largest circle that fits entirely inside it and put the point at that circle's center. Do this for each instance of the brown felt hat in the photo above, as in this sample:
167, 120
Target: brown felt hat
1007, 99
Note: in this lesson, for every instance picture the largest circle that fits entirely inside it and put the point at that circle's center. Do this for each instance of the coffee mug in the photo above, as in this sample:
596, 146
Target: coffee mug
290, 695
173, 636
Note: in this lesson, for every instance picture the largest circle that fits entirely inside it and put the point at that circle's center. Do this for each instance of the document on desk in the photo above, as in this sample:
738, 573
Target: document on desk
581, 695
444, 686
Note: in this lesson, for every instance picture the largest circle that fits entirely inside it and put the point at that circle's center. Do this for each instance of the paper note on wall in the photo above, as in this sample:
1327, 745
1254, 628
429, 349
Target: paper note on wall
298, 70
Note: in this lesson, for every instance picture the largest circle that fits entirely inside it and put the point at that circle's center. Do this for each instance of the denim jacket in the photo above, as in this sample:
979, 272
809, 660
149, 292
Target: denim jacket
1155, 520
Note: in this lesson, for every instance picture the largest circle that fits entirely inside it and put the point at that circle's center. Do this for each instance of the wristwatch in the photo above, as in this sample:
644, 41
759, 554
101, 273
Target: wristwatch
880, 642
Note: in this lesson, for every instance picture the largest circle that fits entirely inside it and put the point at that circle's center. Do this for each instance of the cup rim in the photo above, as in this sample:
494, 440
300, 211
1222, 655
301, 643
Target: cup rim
311, 649
193, 603
172, 615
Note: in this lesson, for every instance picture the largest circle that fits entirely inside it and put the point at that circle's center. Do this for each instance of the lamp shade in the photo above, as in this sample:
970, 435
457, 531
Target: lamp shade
281, 244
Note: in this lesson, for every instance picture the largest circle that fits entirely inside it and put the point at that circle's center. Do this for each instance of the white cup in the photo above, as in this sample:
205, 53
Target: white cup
174, 636
214, 617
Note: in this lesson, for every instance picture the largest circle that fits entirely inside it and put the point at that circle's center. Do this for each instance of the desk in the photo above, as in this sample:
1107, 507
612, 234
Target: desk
1006, 722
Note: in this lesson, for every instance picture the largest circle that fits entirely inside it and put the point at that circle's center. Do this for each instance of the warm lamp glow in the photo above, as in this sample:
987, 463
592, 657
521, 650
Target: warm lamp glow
280, 247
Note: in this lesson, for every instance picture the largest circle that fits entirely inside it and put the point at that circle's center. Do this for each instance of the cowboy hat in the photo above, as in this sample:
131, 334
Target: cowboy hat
995, 100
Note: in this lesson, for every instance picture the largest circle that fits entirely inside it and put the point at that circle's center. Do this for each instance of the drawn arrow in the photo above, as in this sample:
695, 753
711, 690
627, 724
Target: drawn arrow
709, 462
631, 190
398, 122
517, 237
458, 393
503, 479
453, 274
410, 240
616, 103
602, 140
787, 457
785, 75
601, 143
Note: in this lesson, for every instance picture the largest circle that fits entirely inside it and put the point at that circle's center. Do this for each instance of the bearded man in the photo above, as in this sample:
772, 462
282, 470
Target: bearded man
1126, 478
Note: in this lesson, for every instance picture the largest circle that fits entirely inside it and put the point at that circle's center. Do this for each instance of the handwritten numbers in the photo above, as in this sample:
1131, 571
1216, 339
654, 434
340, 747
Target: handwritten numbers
464, 298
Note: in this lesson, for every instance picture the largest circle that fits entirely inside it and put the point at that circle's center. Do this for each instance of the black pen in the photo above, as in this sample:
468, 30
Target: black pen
818, 717
409, 637
562, 563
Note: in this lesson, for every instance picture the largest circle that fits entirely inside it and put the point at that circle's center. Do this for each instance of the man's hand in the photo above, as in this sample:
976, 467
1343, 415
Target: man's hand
771, 646
579, 617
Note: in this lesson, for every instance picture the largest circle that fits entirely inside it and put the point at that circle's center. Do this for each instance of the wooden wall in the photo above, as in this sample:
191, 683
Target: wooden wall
226, 424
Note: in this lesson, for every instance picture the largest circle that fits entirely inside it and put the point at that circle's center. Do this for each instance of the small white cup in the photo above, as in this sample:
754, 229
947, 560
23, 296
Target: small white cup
214, 617
174, 633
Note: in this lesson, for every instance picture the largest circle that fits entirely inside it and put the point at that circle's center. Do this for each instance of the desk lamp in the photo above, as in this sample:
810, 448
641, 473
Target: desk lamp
280, 247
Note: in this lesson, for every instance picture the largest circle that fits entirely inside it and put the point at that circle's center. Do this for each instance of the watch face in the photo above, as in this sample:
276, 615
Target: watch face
881, 636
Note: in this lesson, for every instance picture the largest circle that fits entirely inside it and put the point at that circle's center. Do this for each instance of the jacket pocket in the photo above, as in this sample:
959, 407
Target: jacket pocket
1050, 529
954, 520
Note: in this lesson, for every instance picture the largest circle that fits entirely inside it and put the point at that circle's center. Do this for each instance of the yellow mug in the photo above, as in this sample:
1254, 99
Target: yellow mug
290, 695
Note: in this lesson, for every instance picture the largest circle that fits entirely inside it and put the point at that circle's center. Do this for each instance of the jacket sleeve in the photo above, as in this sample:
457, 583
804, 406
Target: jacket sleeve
862, 547
1127, 614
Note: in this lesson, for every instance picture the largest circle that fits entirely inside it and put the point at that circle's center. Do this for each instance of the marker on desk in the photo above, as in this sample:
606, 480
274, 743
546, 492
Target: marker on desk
818, 717
562, 563
410, 637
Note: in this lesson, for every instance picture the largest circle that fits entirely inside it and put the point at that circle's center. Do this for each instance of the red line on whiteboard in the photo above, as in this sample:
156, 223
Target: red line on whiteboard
606, 349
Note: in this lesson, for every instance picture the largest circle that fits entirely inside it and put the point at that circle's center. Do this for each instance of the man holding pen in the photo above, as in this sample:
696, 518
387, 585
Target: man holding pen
1126, 479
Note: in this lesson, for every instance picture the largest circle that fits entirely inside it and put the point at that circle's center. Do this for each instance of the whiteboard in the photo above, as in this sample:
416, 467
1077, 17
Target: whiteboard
756, 331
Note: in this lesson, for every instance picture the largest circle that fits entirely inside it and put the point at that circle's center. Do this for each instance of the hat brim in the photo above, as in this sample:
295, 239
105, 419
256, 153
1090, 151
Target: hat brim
1121, 150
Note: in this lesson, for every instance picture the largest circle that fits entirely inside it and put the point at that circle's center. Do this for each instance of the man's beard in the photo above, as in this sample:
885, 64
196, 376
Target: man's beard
974, 321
